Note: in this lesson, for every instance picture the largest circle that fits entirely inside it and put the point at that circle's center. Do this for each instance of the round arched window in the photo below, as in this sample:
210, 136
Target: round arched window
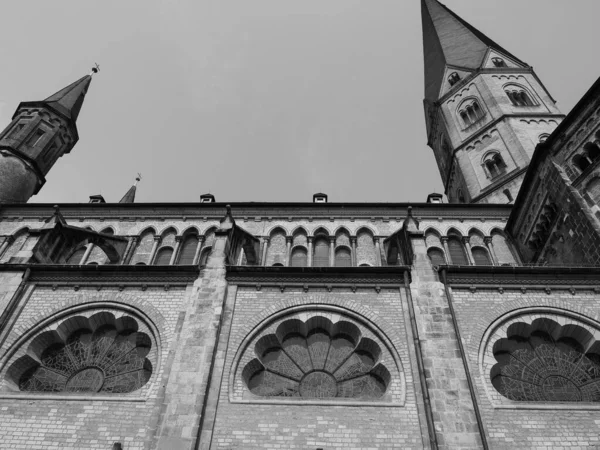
100, 353
317, 359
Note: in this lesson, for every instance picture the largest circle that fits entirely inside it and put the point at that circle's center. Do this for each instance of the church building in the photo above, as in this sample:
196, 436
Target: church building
467, 324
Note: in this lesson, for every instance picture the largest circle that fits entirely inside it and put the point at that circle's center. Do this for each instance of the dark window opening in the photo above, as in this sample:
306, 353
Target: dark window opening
453, 78
36, 137
498, 62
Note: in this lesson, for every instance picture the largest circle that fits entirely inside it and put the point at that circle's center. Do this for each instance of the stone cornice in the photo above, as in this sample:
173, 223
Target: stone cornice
106, 274
283, 277
522, 277
245, 212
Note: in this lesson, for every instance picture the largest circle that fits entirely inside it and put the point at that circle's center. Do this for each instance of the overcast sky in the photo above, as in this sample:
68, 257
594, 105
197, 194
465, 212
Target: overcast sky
262, 100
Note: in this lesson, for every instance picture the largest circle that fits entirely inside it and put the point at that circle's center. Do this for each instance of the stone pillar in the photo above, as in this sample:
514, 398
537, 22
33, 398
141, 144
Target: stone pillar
288, 250
184, 407
353, 244
331, 251
264, 252
86, 255
178, 240
310, 252
157, 240
490, 246
7, 241
466, 241
198, 250
128, 250
444, 240
378, 251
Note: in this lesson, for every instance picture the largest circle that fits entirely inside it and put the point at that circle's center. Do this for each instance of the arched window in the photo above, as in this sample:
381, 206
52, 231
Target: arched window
366, 252
481, 256
470, 112
453, 78
518, 96
204, 256
593, 190
163, 256
299, 257
75, 258
15, 247
494, 165
97, 255
501, 249
343, 257
276, 253
593, 151
436, 256
188, 249
581, 162
498, 62
547, 359
144, 248
458, 256
543, 137
321, 252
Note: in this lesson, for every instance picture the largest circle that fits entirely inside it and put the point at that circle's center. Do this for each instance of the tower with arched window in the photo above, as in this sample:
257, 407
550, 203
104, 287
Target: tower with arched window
485, 109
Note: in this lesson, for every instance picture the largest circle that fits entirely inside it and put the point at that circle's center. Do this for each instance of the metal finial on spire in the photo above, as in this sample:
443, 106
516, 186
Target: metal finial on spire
138, 179
95, 69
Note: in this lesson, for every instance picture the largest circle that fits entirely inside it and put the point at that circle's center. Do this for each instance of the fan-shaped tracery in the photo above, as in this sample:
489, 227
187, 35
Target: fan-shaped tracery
96, 354
317, 359
544, 361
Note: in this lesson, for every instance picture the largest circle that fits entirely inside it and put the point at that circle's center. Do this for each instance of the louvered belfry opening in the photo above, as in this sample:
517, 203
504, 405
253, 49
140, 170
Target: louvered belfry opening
458, 256
188, 250
436, 256
321, 258
481, 256
343, 257
163, 257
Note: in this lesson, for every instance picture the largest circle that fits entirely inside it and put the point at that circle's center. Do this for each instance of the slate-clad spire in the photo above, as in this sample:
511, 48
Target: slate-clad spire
68, 101
450, 41
129, 197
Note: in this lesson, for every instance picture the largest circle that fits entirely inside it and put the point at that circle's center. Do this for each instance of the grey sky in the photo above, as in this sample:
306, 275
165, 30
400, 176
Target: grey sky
262, 100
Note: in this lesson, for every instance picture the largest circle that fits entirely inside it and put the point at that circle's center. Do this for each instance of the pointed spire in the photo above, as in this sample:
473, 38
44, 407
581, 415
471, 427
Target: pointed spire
68, 101
449, 40
129, 197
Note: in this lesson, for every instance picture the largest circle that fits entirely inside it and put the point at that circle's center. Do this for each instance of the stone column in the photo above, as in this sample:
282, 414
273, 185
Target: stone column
353, 244
86, 255
264, 252
490, 246
178, 240
331, 251
444, 240
288, 250
198, 250
466, 241
378, 250
310, 252
129, 250
7, 241
157, 240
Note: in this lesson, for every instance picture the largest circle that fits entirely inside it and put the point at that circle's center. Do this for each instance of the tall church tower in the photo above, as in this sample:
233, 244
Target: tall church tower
39, 134
485, 109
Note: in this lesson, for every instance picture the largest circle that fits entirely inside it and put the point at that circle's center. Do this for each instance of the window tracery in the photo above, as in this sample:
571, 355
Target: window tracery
494, 165
543, 360
453, 78
470, 112
317, 359
518, 96
97, 354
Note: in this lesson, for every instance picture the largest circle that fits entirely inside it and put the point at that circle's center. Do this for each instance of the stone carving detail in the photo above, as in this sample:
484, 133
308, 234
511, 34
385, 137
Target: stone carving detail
86, 355
544, 361
316, 360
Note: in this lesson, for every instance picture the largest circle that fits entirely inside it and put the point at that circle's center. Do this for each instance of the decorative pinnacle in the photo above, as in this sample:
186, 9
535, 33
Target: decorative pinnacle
95, 69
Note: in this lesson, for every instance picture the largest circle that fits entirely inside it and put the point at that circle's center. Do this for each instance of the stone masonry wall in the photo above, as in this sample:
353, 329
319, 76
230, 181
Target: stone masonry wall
261, 426
574, 426
55, 421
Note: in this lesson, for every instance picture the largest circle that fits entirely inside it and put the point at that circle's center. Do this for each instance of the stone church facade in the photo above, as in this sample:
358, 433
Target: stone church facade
472, 324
